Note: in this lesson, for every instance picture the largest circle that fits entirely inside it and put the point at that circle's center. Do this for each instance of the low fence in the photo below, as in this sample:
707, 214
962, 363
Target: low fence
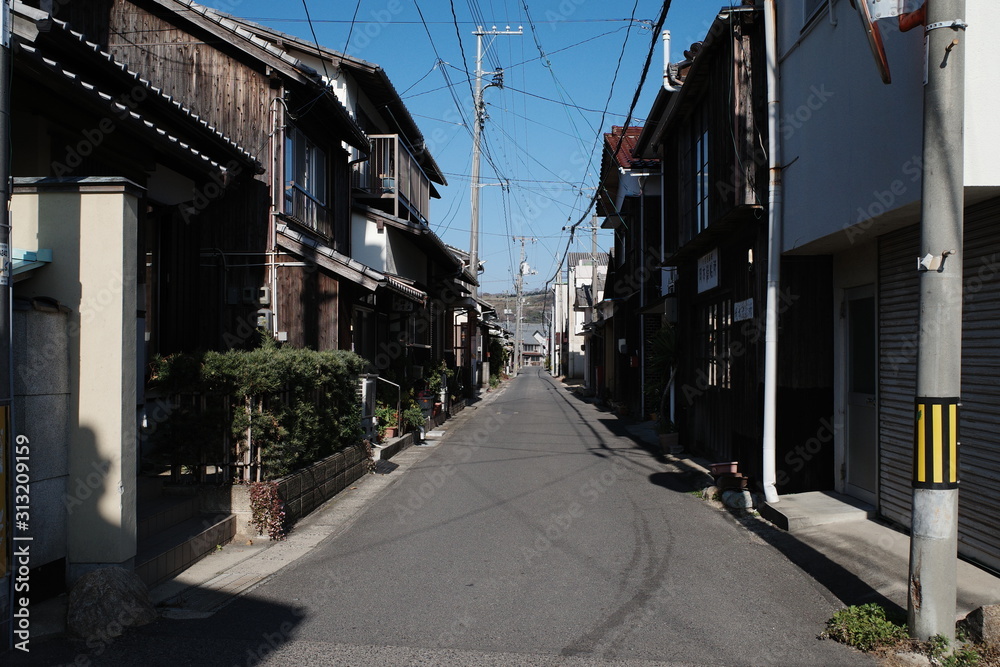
307, 489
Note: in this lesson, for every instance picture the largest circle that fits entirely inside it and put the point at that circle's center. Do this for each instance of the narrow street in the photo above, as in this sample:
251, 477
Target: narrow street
536, 532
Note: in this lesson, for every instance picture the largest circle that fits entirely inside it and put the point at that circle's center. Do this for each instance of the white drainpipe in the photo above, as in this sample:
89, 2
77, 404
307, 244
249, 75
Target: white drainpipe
668, 83
774, 229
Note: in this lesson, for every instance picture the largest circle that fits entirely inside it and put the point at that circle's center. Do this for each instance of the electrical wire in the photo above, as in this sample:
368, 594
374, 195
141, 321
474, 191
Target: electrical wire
635, 100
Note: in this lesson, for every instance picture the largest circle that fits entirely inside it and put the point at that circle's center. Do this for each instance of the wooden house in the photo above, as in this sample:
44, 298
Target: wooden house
108, 174
629, 202
709, 135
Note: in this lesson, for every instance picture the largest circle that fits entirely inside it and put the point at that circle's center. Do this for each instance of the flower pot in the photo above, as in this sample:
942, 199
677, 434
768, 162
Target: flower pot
728, 468
391, 432
732, 482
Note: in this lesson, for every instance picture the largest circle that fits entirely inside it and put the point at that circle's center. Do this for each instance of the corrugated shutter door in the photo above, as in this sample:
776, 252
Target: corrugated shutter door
898, 299
979, 455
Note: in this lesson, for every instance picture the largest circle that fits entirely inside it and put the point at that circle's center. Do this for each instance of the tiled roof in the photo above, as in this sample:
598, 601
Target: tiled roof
344, 266
123, 111
624, 155
576, 258
285, 62
200, 123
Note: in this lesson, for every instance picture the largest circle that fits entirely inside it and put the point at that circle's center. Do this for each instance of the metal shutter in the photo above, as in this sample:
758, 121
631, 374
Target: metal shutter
979, 456
897, 300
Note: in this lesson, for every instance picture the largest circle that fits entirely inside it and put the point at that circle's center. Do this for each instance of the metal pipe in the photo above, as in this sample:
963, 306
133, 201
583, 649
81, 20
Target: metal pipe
774, 238
668, 79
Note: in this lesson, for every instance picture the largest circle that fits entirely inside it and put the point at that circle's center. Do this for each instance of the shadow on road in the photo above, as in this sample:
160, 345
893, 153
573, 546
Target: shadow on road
245, 632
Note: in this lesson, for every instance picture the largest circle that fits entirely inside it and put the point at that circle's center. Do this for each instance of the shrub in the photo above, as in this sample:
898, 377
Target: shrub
299, 405
865, 627
267, 511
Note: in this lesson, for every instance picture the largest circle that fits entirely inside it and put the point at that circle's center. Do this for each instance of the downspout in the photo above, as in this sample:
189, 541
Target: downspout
642, 298
774, 244
277, 161
669, 82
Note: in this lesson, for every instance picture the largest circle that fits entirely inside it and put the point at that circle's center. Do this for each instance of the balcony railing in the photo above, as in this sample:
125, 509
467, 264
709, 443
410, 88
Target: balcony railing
308, 211
391, 173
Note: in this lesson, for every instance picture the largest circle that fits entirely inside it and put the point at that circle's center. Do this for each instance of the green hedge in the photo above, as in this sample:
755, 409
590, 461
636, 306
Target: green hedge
305, 404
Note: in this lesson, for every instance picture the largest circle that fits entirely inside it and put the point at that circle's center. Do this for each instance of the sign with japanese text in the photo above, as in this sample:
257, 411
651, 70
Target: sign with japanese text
708, 271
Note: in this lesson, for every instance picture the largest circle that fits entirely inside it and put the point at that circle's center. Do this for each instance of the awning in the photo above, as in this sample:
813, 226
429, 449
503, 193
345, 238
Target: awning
341, 265
23, 262
401, 288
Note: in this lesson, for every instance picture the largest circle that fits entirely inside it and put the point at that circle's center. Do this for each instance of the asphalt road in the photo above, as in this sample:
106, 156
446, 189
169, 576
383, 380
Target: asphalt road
536, 533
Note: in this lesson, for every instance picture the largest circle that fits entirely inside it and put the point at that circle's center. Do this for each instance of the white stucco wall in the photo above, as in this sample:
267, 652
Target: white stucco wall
851, 144
368, 245
91, 228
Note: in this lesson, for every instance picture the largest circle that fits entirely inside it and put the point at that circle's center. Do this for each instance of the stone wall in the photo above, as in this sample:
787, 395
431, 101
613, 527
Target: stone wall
307, 489
302, 491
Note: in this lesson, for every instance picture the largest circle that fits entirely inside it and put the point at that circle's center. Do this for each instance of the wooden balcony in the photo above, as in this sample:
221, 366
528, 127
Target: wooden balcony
391, 179
308, 212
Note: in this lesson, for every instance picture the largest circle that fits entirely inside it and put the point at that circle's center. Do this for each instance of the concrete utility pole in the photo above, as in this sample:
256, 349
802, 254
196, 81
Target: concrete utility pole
934, 533
478, 122
522, 268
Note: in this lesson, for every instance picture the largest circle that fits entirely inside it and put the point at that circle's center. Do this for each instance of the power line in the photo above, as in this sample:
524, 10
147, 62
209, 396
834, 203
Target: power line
635, 101
278, 19
312, 29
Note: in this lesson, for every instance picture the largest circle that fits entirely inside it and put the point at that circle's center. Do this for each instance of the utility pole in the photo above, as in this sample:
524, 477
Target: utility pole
6, 354
522, 269
934, 531
478, 122
593, 245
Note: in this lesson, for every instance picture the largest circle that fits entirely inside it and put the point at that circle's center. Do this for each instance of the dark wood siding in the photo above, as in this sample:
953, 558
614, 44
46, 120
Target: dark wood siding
197, 71
308, 302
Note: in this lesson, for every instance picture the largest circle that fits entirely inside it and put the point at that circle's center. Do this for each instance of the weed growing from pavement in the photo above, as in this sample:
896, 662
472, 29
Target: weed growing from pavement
870, 629
865, 627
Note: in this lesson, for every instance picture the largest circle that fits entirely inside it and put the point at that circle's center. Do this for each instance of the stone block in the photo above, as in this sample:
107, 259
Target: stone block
43, 366
983, 624
104, 602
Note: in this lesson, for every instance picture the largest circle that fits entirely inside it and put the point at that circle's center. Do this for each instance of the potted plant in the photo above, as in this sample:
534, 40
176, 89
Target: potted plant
386, 418
413, 417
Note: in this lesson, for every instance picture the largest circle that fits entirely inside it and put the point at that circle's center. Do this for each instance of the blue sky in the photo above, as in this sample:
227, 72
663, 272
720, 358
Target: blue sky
560, 94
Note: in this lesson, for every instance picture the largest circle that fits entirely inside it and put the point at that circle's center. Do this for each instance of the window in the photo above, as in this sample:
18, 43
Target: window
701, 182
695, 173
305, 169
714, 331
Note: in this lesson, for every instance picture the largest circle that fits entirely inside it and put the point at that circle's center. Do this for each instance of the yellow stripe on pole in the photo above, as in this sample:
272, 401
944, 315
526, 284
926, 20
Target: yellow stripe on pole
935, 455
